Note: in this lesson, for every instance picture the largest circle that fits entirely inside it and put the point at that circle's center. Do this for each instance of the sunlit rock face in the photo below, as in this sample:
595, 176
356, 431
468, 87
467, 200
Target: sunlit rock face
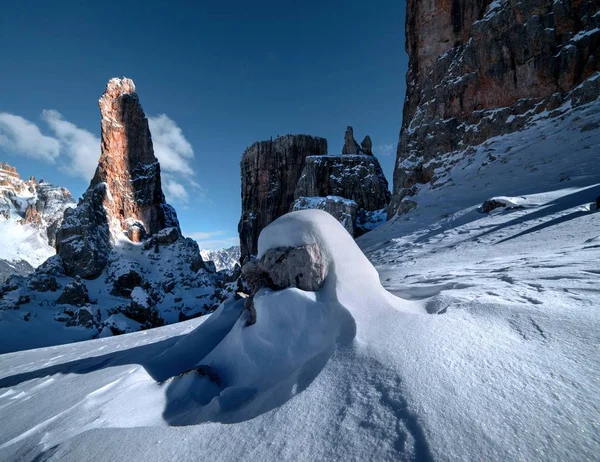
125, 195
479, 69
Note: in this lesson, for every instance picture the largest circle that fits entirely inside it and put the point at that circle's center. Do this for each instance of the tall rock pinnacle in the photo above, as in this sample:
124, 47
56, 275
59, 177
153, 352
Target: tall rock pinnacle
125, 197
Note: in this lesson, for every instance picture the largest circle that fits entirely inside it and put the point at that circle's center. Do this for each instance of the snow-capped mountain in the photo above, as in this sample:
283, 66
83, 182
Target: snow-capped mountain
30, 214
224, 259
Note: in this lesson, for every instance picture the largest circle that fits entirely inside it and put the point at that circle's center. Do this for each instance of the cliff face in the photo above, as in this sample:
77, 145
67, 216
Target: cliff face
356, 177
125, 196
270, 171
480, 68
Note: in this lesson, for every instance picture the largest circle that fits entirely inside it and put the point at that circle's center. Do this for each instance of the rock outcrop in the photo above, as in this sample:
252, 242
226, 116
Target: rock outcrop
350, 144
366, 146
125, 197
303, 267
343, 210
481, 69
356, 177
294, 172
270, 171
34, 203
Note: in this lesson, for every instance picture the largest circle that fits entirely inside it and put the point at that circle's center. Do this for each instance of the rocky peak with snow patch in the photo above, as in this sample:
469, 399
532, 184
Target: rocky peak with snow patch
270, 171
224, 259
482, 69
125, 196
30, 214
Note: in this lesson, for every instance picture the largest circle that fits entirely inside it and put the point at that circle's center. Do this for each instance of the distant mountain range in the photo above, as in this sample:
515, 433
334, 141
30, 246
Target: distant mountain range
224, 259
30, 213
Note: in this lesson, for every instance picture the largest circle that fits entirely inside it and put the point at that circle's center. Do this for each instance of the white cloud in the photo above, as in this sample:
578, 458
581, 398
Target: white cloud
175, 154
212, 241
20, 136
201, 235
172, 149
80, 146
385, 149
77, 150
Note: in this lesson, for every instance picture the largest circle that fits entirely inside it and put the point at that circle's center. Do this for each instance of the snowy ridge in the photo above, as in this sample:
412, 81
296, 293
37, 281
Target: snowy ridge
224, 259
30, 213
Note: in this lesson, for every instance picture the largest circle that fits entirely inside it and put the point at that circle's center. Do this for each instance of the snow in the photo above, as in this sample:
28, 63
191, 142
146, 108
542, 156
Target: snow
483, 345
224, 259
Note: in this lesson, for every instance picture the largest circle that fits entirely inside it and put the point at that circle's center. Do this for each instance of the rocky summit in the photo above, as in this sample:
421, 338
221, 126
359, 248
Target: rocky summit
270, 171
484, 68
122, 263
30, 213
294, 172
125, 197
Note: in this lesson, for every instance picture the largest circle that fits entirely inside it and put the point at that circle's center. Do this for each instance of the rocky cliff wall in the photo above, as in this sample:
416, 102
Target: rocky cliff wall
481, 68
270, 171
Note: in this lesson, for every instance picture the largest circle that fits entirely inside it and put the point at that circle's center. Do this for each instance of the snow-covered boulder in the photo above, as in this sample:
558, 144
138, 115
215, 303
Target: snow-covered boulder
257, 366
303, 267
75, 293
508, 203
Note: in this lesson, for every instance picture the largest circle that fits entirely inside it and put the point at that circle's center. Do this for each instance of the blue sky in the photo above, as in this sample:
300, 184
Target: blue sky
213, 77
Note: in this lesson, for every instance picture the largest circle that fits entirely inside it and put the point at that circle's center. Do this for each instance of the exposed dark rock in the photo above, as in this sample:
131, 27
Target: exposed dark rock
303, 267
356, 177
481, 69
367, 146
124, 283
75, 294
41, 282
350, 144
142, 309
167, 235
82, 318
270, 171
344, 210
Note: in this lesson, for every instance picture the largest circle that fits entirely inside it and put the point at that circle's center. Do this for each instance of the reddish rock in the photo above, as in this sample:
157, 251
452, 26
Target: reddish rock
474, 64
125, 197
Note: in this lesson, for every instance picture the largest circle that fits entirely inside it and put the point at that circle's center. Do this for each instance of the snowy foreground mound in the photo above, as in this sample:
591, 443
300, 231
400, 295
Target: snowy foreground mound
226, 371
350, 372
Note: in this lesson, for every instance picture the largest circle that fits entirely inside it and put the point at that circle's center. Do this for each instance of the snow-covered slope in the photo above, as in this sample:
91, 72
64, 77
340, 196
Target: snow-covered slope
224, 259
30, 213
50, 308
489, 352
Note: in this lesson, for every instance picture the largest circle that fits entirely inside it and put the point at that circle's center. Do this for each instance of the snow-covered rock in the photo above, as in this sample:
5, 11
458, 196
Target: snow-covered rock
224, 259
30, 213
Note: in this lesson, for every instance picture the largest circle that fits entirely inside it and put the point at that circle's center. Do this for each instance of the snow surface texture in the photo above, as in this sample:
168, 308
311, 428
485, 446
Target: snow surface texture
224, 259
508, 370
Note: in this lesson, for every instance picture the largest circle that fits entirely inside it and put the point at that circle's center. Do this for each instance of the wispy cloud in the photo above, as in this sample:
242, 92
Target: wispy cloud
81, 147
76, 150
212, 240
386, 149
176, 155
172, 149
19, 136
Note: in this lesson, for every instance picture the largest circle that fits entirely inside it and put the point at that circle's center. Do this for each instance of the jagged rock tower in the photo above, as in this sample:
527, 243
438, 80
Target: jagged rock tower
125, 197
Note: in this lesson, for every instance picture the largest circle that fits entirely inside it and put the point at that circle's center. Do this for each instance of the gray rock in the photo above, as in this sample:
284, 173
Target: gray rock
343, 210
270, 171
367, 146
350, 144
303, 267
81, 318
356, 177
75, 294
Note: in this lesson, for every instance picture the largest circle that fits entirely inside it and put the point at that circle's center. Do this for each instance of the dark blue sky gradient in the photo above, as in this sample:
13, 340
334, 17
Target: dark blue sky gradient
228, 73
